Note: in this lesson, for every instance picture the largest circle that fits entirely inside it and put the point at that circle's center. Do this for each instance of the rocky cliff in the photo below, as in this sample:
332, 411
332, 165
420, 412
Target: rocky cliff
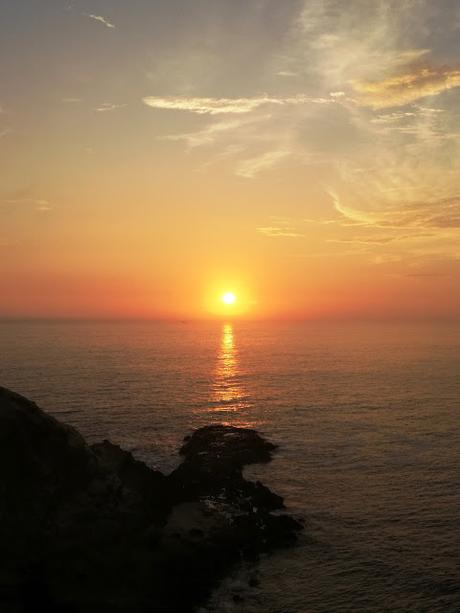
88, 528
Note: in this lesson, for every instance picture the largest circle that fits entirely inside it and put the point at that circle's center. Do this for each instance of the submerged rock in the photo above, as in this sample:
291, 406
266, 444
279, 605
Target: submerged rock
90, 528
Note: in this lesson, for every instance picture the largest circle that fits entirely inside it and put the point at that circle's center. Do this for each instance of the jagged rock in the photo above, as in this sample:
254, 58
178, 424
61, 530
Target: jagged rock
90, 528
226, 447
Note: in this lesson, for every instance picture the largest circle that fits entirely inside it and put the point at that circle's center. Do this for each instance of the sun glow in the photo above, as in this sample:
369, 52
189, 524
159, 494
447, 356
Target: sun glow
228, 298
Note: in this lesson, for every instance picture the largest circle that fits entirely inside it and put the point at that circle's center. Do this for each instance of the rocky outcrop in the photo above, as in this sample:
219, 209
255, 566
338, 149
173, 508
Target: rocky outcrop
90, 528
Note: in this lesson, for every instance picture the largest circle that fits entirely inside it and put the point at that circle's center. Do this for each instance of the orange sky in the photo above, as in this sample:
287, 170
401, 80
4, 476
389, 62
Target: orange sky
155, 155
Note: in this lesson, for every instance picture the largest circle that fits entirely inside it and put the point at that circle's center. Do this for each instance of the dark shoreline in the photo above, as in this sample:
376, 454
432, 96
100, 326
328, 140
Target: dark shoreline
89, 528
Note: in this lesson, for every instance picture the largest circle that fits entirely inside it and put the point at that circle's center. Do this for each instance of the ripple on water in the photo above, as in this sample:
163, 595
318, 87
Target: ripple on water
366, 418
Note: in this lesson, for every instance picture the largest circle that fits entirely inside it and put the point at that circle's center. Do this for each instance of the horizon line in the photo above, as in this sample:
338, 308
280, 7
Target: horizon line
184, 320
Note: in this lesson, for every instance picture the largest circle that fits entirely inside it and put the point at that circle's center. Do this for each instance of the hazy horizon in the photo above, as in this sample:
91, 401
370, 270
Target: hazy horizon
241, 319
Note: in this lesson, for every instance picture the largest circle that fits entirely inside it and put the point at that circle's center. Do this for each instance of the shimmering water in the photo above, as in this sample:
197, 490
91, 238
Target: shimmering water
367, 418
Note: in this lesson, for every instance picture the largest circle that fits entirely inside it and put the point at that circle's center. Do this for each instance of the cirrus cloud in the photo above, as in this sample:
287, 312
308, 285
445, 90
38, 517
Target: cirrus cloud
415, 82
251, 167
103, 20
218, 106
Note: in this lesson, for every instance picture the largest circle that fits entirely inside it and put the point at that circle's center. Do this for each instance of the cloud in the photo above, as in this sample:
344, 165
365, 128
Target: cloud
323, 83
274, 232
427, 275
101, 19
208, 135
361, 42
392, 118
250, 168
108, 106
441, 214
286, 73
241, 128
218, 106
38, 204
371, 240
352, 214
258, 132
415, 82
281, 227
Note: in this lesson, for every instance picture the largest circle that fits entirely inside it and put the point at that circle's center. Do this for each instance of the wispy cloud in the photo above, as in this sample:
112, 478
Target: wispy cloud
427, 275
38, 204
275, 232
251, 167
410, 234
210, 134
350, 213
370, 240
71, 100
100, 19
109, 106
286, 73
414, 83
347, 102
441, 214
218, 106
281, 227
259, 132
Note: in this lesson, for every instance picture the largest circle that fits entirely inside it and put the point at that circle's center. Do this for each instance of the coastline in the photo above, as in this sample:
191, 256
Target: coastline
88, 527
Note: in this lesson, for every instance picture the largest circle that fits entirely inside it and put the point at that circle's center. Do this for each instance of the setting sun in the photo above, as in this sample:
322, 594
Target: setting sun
229, 298
220, 301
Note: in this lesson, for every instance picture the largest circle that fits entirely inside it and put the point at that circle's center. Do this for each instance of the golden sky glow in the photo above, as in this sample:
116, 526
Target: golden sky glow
155, 154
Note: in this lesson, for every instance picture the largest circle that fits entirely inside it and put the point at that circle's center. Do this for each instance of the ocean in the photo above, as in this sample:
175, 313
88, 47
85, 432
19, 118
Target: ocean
366, 417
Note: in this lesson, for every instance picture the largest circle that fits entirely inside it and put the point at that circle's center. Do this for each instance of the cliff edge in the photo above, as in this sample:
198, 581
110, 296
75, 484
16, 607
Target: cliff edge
86, 528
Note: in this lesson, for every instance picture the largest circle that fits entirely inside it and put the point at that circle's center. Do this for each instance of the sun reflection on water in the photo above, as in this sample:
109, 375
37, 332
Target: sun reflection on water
228, 396
227, 364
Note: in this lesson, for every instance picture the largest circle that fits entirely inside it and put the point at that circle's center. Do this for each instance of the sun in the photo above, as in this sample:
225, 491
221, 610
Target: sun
228, 298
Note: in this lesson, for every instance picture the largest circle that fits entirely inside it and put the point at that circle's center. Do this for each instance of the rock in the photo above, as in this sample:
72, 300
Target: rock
213, 467
90, 528
253, 581
43, 465
227, 447
138, 487
41, 460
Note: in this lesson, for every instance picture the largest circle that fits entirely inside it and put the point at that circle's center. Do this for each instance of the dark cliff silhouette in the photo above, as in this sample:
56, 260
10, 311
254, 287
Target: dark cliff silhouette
88, 528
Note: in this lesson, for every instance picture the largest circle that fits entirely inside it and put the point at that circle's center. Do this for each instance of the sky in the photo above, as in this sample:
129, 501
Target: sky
303, 154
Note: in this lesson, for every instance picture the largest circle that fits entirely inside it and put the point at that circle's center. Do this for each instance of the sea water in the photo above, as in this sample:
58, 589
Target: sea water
366, 417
